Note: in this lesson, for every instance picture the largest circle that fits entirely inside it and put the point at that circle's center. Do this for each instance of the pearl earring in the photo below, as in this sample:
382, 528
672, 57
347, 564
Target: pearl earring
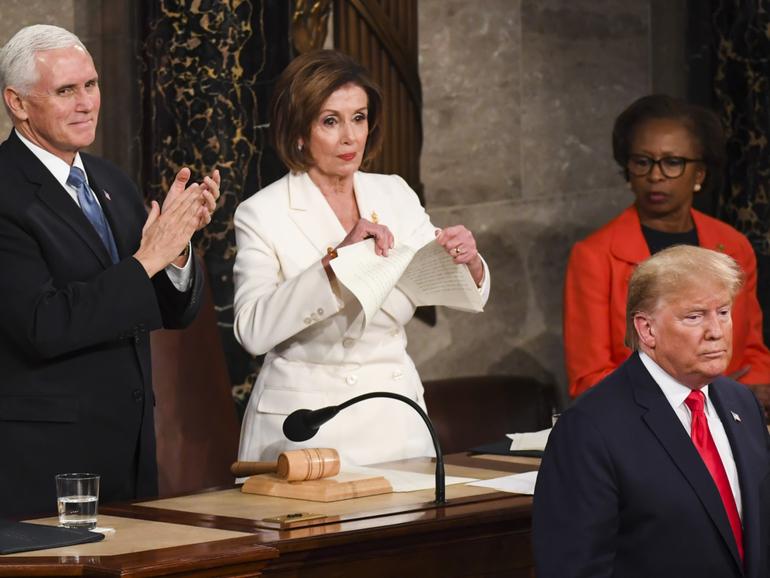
299, 146
696, 188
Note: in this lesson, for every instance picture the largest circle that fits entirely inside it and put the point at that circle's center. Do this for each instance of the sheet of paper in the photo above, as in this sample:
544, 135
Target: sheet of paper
515, 484
428, 276
534, 440
402, 481
368, 276
433, 278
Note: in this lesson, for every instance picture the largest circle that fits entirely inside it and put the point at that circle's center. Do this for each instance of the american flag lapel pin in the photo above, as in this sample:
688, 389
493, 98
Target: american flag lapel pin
106, 195
736, 417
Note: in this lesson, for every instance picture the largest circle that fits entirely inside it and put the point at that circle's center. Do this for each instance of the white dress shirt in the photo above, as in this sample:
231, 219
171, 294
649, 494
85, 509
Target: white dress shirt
676, 393
180, 277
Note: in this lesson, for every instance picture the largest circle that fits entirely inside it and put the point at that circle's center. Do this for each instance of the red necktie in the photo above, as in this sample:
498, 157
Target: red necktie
704, 443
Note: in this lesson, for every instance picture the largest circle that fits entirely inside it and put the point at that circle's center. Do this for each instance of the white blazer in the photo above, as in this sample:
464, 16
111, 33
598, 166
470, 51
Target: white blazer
286, 307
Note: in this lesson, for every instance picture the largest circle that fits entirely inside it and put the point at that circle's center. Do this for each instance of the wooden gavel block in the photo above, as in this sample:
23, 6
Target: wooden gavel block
295, 465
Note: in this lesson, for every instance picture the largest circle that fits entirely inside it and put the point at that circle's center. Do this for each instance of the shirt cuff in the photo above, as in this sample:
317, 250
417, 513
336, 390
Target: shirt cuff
181, 277
485, 282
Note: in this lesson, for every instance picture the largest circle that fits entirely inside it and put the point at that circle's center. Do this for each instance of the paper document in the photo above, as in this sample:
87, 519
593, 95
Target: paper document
427, 275
534, 440
402, 481
515, 484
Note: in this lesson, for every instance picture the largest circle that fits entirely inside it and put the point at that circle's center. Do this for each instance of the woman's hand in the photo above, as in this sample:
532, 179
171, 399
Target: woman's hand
363, 229
460, 244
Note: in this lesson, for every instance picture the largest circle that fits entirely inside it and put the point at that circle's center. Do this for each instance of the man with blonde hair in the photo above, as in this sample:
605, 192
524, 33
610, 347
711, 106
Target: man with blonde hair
662, 469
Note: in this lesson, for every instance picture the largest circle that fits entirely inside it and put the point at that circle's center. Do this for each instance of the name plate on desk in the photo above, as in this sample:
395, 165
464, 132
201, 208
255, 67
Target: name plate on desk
340, 487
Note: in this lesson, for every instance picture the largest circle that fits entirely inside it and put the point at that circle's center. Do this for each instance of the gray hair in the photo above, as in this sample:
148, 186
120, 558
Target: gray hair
17, 57
673, 270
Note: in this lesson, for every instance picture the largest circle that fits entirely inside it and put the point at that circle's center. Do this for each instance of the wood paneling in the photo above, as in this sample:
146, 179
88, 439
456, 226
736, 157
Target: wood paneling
382, 35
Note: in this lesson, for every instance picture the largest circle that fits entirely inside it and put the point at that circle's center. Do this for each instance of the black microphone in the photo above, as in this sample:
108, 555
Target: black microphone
303, 424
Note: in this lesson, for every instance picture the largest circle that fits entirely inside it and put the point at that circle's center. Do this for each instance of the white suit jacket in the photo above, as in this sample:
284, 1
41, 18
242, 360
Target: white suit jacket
286, 307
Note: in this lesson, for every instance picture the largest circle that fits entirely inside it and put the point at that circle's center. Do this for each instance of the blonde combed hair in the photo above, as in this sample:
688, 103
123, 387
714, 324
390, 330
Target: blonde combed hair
672, 271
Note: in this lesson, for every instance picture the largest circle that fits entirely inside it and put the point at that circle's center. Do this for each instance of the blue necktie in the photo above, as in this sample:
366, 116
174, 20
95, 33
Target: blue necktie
92, 210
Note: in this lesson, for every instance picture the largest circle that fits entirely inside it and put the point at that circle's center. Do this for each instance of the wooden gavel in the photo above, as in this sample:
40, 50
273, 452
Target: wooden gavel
294, 465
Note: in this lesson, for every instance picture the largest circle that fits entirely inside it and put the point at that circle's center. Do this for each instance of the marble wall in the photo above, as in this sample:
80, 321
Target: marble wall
519, 101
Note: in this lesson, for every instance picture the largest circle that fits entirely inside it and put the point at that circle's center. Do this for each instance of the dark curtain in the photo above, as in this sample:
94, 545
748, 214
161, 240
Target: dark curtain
729, 43
207, 72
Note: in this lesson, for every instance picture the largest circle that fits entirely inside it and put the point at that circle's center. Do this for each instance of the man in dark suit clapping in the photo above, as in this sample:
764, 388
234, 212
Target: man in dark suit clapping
662, 469
86, 274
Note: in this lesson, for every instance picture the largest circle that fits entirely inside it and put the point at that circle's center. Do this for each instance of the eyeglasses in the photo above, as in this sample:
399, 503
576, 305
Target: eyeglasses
671, 167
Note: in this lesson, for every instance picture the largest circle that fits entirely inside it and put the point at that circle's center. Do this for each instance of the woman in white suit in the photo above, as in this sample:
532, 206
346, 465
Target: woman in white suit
326, 121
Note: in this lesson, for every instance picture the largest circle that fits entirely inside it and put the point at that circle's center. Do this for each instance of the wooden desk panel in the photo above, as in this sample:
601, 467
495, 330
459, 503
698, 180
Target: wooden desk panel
143, 554
132, 535
478, 533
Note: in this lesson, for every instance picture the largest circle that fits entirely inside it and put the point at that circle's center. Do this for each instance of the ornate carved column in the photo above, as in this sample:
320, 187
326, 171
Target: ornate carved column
742, 89
207, 70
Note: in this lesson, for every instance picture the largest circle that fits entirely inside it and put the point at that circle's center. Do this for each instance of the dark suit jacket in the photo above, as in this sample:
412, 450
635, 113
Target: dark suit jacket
75, 388
623, 492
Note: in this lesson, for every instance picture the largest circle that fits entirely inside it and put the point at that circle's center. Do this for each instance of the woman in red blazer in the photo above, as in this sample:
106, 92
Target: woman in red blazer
669, 150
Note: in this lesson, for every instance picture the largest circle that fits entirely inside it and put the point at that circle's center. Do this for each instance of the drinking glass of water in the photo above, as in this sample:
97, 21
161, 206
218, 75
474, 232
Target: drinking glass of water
77, 497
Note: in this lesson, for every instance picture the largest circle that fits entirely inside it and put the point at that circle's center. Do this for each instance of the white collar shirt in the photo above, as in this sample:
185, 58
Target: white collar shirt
676, 393
180, 277
56, 166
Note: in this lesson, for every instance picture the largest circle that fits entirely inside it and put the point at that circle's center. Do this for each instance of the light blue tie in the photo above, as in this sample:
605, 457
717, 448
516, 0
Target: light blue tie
92, 210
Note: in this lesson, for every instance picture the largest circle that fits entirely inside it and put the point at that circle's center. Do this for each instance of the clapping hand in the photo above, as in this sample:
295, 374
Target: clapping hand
210, 190
167, 231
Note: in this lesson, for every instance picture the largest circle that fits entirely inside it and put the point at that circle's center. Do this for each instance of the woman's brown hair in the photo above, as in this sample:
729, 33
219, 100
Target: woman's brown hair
301, 90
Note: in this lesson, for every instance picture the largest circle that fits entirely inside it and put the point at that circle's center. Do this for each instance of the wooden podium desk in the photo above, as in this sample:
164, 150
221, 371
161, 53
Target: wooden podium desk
223, 533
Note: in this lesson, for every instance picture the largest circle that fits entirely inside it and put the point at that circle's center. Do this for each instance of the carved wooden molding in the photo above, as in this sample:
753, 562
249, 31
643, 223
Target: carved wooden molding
382, 35
309, 24
374, 15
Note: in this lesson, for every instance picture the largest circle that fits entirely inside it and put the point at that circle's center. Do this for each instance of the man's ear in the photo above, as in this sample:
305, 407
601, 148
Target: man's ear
645, 329
15, 103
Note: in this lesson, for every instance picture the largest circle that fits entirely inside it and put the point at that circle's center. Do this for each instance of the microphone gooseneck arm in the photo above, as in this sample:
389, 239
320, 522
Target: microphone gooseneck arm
303, 424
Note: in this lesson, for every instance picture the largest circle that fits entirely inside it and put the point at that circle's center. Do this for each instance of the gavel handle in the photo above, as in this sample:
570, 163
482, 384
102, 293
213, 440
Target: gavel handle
241, 469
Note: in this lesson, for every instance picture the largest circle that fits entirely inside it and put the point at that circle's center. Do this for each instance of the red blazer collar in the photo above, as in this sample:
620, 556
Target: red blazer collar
628, 243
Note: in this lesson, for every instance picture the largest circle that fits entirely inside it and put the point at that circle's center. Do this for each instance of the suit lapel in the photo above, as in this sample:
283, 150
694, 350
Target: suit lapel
52, 194
709, 237
667, 428
366, 202
738, 435
97, 181
312, 214
628, 243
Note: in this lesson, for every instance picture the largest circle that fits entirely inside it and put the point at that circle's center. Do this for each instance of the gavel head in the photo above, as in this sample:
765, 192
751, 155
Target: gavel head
308, 464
